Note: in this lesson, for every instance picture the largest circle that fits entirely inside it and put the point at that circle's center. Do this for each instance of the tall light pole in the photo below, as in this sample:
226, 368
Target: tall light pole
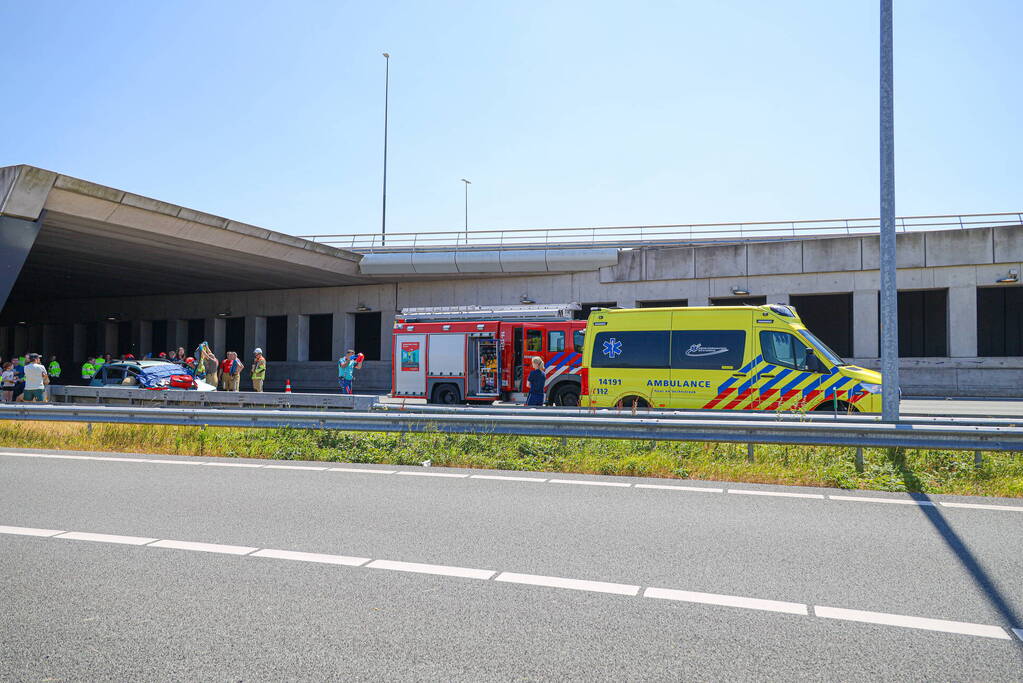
383, 211
889, 285
467, 184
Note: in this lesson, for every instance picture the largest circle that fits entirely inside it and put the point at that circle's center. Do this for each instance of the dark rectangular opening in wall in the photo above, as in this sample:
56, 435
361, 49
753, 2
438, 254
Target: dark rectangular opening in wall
124, 344
738, 301
321, 334
1000, 321
367, 334
234, 336
830, 317
93, 344
159, 337
663, 303
584, 312
923, 323
197, 335
276, 347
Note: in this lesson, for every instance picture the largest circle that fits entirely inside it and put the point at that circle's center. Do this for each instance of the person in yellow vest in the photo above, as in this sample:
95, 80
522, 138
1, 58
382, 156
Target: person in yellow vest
53, 370
88, 370
258, 370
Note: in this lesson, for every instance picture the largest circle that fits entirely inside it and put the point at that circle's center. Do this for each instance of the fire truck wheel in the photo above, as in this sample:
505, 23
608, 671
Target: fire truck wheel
446, 394
566, 395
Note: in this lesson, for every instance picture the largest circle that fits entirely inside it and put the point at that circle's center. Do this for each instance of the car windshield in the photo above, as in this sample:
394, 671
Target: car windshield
822, 348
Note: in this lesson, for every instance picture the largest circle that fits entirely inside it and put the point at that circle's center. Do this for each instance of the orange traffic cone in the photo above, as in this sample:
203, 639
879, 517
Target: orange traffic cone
287, 386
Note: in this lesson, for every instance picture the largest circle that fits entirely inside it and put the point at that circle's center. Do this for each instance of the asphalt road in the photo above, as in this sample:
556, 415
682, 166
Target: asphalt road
476, 578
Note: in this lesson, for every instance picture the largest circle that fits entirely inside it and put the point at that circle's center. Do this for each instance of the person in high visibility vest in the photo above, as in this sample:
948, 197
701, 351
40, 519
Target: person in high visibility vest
258, 370
88, 370
53, 370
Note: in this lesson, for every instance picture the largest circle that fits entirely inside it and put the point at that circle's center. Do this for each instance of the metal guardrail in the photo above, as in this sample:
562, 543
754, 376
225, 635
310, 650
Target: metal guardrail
650, 235
208, 399
966, 437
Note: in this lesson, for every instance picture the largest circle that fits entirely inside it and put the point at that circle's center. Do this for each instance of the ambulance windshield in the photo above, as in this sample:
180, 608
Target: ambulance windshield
822, 348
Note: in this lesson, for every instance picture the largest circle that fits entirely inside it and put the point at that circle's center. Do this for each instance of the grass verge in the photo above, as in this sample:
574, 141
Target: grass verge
910, 470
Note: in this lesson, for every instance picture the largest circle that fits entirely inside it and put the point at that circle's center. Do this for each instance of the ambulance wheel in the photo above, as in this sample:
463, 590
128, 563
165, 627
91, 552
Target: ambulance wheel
446, 394
566, 395
629, 400
828, 407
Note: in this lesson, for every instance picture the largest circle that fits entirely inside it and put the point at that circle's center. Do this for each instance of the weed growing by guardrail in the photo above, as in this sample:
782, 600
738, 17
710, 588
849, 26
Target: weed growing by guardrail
901, 470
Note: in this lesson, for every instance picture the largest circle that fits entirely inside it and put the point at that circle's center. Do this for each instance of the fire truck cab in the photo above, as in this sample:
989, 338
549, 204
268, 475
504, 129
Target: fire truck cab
481, 354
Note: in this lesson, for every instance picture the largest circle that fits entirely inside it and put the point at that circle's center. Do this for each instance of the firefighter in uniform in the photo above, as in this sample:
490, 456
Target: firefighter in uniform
88, 370
53, 370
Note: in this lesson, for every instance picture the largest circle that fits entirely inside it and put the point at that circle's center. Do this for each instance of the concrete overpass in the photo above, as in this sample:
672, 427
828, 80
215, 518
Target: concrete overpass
93, 269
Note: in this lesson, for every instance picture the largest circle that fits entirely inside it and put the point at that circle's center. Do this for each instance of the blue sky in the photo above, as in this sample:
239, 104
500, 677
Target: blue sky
561, 113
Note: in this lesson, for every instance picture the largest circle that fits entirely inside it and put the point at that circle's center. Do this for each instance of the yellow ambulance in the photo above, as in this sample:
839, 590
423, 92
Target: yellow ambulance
718, 357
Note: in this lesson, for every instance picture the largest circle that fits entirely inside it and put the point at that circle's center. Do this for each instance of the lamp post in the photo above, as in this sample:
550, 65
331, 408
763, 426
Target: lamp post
383, 211
889, 286
467, 184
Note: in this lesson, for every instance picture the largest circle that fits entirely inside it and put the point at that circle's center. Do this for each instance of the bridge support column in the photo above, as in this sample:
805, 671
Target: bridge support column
865, 321
962, 318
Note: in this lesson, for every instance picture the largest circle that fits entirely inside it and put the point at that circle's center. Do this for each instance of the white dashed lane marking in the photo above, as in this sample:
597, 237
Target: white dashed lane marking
622, 589
534, 479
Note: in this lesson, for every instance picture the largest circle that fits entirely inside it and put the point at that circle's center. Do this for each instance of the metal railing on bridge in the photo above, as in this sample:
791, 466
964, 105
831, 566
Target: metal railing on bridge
651, 235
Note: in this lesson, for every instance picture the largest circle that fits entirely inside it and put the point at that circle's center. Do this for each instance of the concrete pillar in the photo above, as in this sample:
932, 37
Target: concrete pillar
177, 334
298, 338
699, 301
108, 337
865, 322
35, 339
216, 335
142, 337
962, 322
778, 298
78, 350
51, 341
255, 334
339, 334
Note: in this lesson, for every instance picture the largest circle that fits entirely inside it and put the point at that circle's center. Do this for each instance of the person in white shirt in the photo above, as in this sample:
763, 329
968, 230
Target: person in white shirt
35, 380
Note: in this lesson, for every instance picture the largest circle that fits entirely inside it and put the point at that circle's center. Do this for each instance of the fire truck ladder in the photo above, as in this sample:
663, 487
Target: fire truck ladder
531, 312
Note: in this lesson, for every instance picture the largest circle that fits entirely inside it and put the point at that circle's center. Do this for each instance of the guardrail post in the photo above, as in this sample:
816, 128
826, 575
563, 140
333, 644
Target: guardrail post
859, 458
978, 459
749, 452
88, 429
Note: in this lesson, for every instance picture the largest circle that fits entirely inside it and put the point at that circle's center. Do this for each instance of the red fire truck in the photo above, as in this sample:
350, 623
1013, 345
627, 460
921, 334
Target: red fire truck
456, 354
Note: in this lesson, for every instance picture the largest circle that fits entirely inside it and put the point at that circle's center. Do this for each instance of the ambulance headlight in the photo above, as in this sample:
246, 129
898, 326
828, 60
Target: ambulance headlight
871, 388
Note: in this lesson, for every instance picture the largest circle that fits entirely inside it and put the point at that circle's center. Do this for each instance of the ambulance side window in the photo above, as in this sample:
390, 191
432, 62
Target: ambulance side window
782, 348
534, 341
707, 349
631, 350
555, 341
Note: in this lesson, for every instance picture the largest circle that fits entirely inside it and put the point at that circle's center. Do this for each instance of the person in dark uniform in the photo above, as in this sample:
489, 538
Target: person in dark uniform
537, 378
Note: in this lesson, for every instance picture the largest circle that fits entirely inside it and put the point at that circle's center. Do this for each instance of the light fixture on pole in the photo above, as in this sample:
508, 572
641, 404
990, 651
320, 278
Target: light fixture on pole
467, 184
383, 210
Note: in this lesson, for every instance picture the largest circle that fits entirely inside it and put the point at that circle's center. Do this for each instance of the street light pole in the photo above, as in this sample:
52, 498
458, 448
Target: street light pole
889, 285
383, 211
467, 184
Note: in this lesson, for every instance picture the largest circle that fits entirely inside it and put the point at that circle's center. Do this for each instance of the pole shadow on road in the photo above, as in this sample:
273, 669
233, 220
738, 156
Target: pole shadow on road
966, 557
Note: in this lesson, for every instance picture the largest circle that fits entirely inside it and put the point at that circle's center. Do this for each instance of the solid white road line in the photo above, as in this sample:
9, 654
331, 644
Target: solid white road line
204, 547
585, 482
726, 600
311, 557
438, 569
113, 459
781, 494
679, 488
962, 627
106, 538
506, 478
434, 474
172, 462
28, 531
978, 506
47, 455
231, 464
571, 584
896, 501
295, 467
361, 471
